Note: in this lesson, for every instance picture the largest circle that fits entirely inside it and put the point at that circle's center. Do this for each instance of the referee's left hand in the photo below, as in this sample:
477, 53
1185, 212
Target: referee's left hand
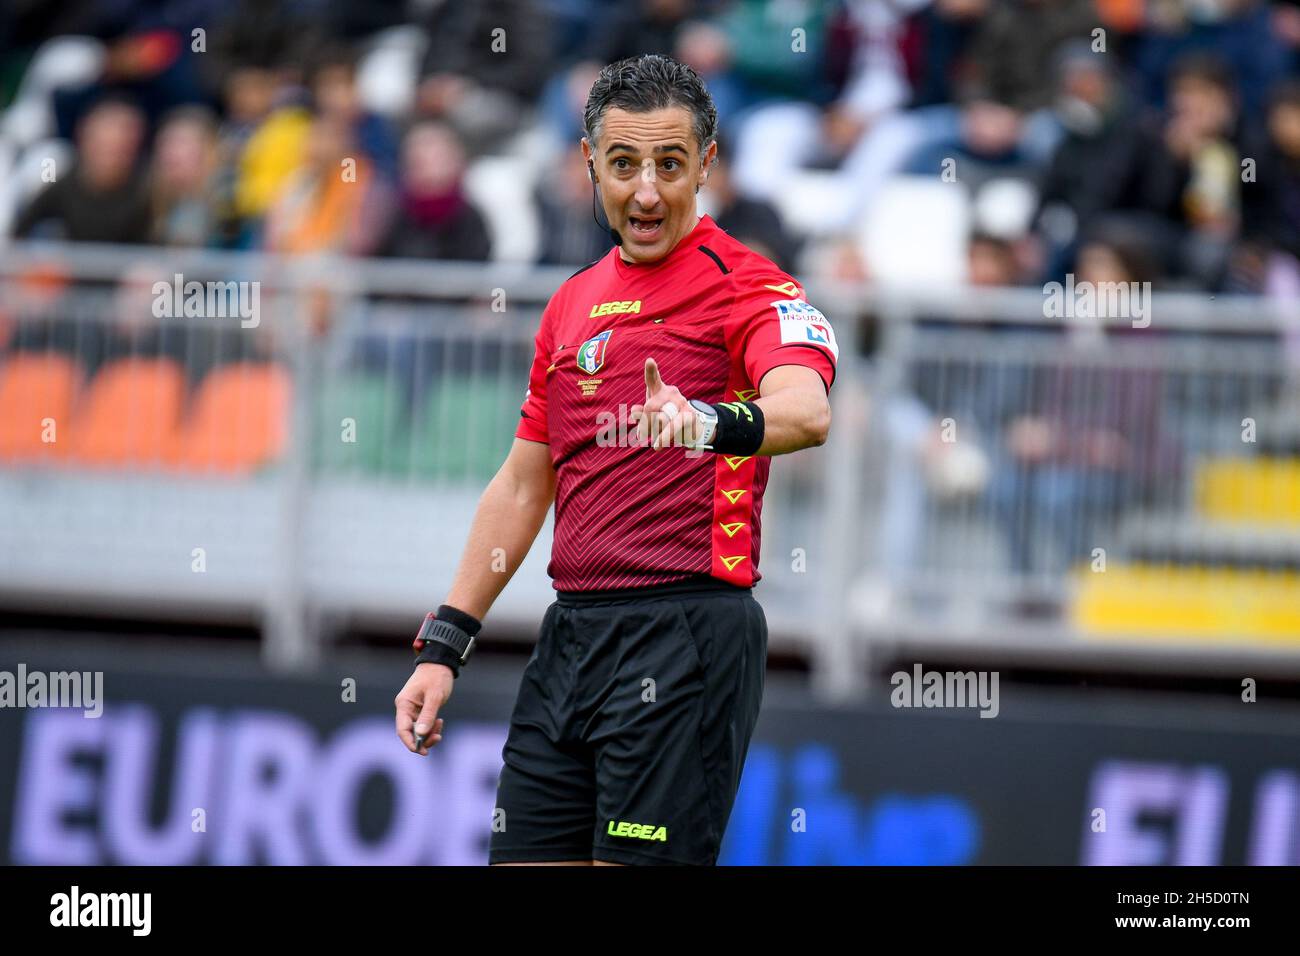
652, 424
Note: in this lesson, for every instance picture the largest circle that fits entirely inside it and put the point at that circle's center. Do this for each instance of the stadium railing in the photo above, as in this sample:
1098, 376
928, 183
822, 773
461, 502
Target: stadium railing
301, 444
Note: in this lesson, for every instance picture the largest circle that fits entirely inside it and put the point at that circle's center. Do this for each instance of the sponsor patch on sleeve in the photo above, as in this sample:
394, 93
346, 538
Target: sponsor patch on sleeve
804, 324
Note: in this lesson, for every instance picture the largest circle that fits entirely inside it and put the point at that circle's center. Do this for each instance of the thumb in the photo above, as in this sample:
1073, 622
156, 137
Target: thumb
652, 380
424, 723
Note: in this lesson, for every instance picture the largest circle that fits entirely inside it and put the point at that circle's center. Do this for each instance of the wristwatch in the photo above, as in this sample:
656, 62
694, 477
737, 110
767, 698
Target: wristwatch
708, 419
444, 632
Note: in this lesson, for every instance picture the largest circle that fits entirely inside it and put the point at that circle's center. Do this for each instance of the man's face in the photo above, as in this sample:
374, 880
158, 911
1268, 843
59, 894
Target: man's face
1284, 124
648, 167
432, 160
108, 144
1205, 106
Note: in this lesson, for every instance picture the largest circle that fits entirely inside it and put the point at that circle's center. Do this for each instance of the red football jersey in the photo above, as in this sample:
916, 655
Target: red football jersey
716, 317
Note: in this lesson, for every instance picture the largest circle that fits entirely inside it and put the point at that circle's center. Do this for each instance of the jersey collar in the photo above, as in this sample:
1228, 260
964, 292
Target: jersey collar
704, 229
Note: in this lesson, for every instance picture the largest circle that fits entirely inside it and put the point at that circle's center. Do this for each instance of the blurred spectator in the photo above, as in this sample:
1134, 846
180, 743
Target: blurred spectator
751, 221
1117, 252
334, 93
1271, 200
1097, 166
484, 67
997, 72
1079, 441
937, 40
147, 53
776, 49
986, 144
103, 197
785, 128
638, 27
1192, 176
563, 104
261, 145
359, 20
435, 219
271, 36
181, 180
926, 468
334, 202
571, 230
1244, 34
613, 32
1012, 52
852, 92
992, 262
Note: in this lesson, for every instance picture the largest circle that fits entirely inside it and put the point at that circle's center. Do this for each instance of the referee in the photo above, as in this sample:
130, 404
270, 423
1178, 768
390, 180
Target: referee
666, 375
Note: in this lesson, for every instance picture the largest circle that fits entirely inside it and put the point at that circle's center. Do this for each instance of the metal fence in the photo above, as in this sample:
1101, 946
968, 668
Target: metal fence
302, 443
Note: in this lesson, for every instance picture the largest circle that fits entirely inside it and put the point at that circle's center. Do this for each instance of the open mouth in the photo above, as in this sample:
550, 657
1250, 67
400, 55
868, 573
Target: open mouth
647, 229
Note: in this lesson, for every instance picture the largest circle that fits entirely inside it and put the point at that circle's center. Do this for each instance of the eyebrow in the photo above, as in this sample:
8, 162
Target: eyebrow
674, 147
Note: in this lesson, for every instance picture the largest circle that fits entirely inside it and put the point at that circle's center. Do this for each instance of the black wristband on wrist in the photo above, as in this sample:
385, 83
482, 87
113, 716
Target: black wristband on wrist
453, 615
436, 652
740, 428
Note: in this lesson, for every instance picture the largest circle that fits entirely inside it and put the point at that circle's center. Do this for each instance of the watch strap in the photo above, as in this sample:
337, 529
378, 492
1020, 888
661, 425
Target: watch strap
435, 631
703, 442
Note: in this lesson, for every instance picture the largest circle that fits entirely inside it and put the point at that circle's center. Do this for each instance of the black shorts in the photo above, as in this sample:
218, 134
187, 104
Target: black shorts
631, 726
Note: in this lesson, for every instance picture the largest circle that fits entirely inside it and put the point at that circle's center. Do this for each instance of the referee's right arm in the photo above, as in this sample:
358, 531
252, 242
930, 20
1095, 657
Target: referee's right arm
509, 515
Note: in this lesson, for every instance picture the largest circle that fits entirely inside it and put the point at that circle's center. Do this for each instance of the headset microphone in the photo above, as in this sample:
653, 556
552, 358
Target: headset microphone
613, 233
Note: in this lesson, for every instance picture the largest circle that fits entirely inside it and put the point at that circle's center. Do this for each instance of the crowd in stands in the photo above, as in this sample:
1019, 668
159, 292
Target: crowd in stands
1163, 134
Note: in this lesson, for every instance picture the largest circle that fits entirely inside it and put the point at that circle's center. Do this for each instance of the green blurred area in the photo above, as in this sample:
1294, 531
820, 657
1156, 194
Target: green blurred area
460, 431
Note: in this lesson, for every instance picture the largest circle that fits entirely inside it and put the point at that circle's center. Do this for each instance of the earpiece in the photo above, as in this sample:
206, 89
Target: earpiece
591, 171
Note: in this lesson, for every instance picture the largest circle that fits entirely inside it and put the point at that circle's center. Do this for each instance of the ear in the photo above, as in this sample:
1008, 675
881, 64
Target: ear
706, 163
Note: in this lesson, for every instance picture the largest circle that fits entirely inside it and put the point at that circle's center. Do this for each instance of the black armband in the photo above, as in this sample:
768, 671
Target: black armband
740, 428
466, 622
432, 651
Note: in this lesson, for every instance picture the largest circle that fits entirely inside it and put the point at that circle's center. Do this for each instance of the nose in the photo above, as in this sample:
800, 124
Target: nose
647, 189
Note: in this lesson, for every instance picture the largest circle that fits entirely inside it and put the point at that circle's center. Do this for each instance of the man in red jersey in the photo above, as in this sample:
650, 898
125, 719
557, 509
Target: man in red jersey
666, 375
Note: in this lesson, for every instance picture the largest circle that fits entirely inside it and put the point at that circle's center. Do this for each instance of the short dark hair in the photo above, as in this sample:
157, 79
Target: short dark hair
1285, 94
331, 55
1203, 67
641, 84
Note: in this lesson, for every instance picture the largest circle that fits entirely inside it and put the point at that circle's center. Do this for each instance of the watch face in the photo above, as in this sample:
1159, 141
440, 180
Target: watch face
703, 408
708, 418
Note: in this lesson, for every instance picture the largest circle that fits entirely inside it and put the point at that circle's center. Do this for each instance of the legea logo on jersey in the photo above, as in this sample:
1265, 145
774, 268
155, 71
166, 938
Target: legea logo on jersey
591, 354
804, 324
623, 307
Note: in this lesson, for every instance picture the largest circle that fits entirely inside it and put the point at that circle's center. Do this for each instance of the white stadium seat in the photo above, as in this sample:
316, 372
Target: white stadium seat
807, 201
388, 71
1005, 207
501, 189
915, 232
